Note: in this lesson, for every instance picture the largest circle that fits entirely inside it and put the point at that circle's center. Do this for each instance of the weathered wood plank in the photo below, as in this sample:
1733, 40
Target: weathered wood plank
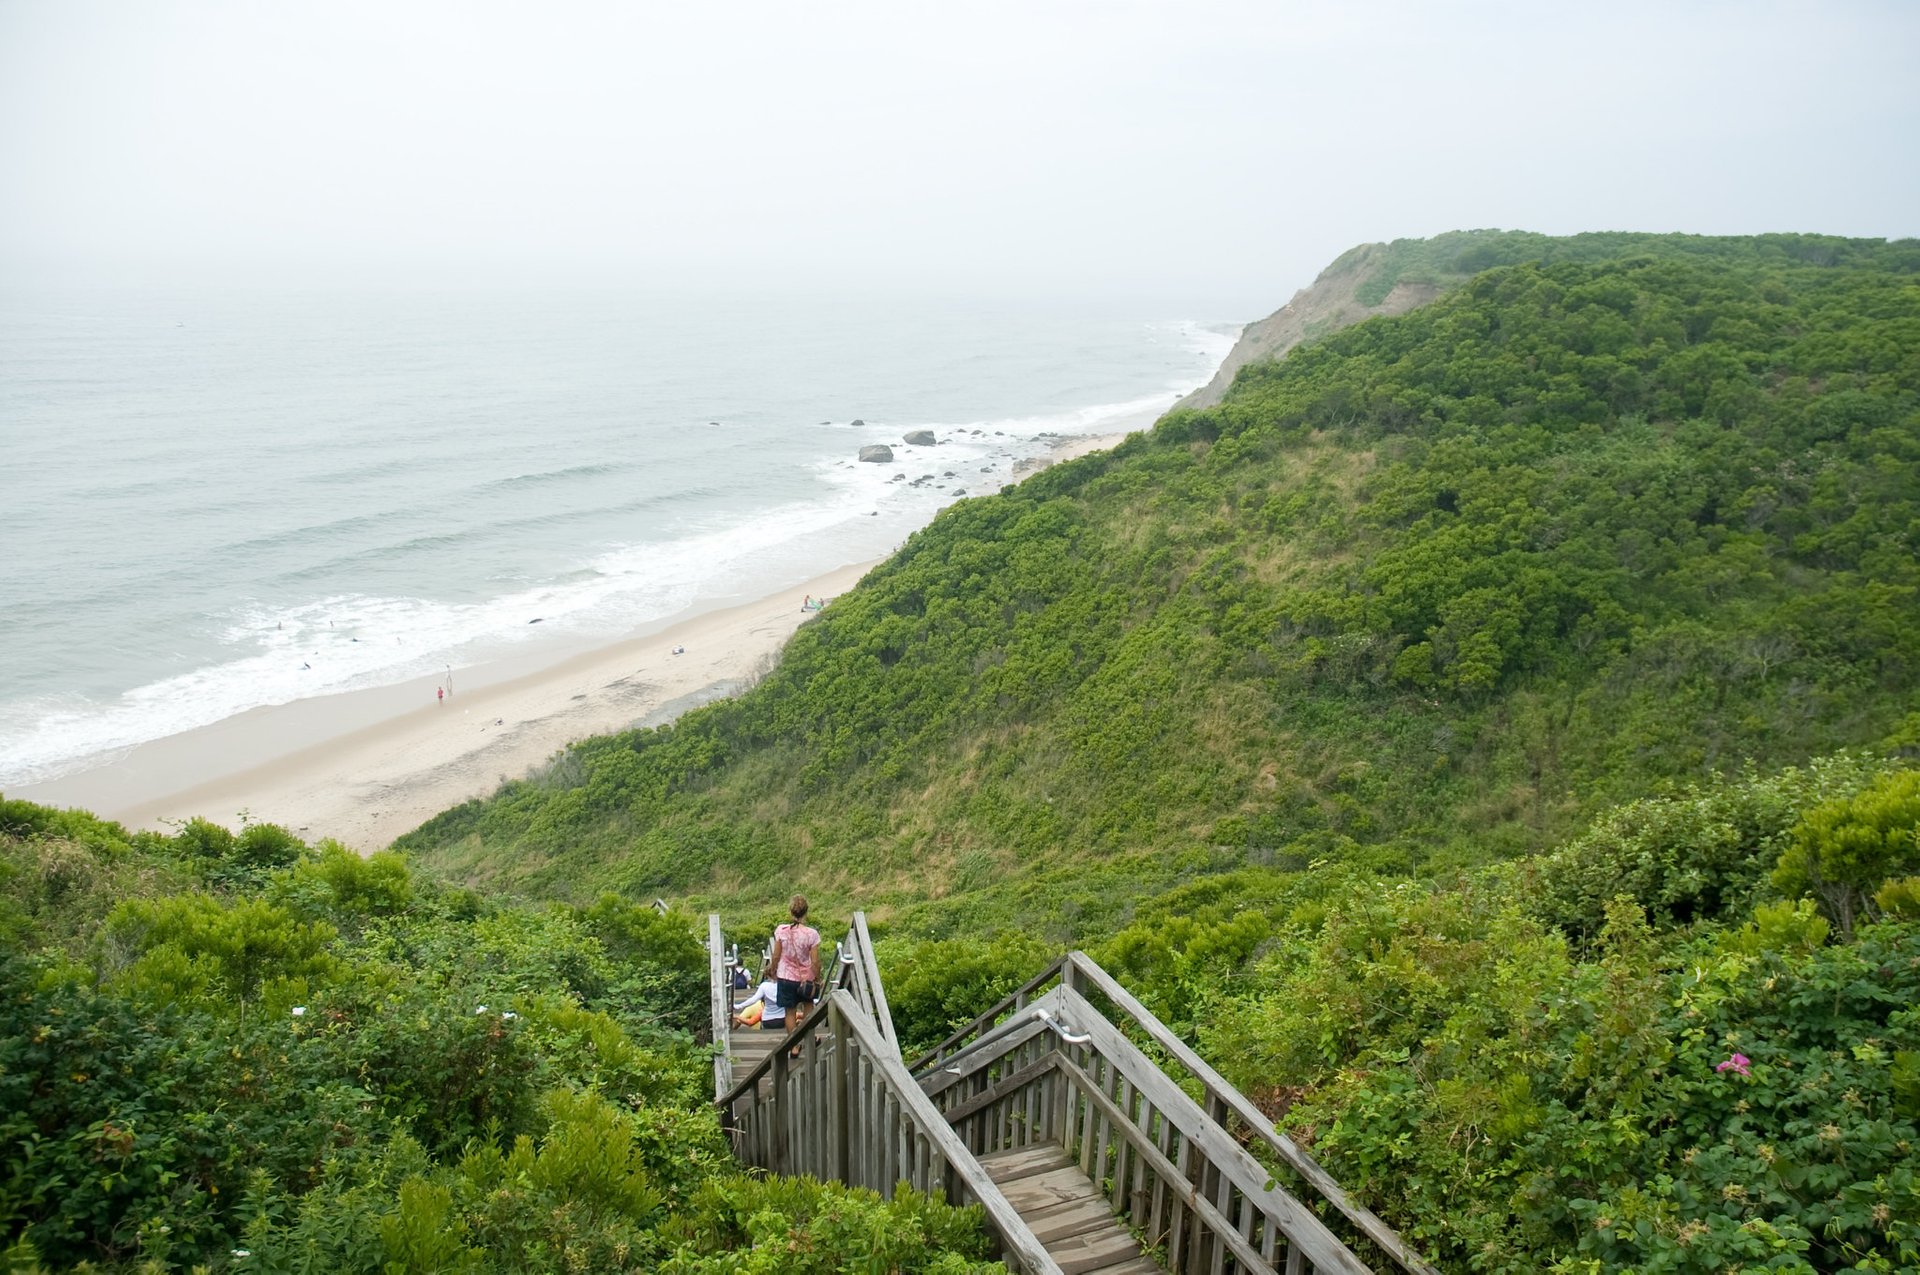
1015, 1081
1044, 1190
719, 1003
1132, 1266
875, 990
1080, 1253
1029, 1253
1075, 1218
1009, 1166
1218, 1229
953, 1044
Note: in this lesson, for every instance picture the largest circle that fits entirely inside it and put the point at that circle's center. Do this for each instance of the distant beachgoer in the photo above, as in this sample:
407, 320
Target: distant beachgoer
440, 693
679, 650
795, 961
807, 602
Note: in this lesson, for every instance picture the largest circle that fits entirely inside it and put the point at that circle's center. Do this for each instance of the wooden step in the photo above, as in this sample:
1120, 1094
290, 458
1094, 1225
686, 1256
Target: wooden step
1131, 1266
1007, 1166
1091, 1252
1066, 1212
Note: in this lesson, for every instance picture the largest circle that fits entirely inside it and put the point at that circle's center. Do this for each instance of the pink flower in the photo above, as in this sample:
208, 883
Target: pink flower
1739, 1062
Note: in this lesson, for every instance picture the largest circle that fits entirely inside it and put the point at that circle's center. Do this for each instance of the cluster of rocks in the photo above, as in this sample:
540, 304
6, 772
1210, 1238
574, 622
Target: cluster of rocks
881, 454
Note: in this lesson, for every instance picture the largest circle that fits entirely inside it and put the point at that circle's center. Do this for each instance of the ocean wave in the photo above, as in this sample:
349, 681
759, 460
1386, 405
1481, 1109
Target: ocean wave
347, 642
544, 477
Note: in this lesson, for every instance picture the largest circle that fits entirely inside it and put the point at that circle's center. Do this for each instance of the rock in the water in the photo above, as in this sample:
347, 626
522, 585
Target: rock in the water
920, 437
878, 453
859, 424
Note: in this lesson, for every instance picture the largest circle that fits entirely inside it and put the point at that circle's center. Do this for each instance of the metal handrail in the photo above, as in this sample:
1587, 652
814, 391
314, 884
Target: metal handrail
966, 1036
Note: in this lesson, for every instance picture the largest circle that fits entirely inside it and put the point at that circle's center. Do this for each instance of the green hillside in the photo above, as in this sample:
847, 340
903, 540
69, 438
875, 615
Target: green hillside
1489, 736
1430, 592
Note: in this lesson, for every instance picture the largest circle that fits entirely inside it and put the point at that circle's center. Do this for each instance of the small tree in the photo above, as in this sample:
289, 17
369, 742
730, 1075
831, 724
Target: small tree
1844, 849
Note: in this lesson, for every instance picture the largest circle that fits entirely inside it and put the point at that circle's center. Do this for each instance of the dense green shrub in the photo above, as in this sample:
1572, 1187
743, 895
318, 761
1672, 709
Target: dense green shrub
1845, 849
1705, 854
1744, 1097
774, 1226
937, 986
334, 1065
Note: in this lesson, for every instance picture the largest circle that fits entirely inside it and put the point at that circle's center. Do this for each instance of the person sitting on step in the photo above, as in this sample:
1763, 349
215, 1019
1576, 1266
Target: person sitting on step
772, 1017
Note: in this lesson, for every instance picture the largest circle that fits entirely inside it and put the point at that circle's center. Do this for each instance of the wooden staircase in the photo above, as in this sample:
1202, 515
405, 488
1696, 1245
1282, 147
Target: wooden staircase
1087, 1156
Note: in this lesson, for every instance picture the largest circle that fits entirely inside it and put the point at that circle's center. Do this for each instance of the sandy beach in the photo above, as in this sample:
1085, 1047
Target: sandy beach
367, 766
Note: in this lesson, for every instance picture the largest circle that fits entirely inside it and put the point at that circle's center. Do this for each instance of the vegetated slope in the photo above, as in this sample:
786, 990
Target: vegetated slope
1644, 1051
1430, 591
1331, 302
1392, 278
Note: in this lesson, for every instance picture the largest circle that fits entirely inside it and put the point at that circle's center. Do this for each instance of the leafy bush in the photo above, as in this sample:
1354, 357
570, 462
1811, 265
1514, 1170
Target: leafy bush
938, 986
1844, 849
331, 1065
195, 948
772, 1226
1702, 855
1744, 1097
662, 962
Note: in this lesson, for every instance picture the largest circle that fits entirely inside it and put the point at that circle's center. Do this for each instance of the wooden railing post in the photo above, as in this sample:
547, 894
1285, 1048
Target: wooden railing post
719, 1004
842, 1103
779, 1110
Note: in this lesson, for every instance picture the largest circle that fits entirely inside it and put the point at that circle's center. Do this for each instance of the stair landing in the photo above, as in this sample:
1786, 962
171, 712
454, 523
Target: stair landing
1067, 1213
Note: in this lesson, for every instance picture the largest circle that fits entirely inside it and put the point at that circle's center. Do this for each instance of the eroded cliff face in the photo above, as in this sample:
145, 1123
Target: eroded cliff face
1330, 303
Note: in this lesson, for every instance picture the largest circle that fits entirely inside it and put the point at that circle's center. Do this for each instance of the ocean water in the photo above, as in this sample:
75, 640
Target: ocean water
214, 501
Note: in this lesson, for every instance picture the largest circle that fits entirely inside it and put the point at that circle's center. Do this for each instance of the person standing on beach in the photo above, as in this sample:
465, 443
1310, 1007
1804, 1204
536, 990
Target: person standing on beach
440, 693
796, 962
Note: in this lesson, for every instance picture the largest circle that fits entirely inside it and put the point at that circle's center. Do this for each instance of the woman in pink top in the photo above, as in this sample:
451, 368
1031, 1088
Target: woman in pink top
796, 962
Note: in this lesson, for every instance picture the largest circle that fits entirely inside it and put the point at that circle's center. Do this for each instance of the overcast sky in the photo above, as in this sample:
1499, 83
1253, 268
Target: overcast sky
1212, 156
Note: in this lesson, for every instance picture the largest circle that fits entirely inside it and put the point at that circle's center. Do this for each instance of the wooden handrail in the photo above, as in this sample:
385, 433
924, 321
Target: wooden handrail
1015, 999
1218, 1091
1064, 1073
850, 1111
1207, 1137
788, 1043
859, 973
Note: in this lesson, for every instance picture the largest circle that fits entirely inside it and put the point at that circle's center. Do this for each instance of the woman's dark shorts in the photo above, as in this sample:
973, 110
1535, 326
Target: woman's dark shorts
790, 993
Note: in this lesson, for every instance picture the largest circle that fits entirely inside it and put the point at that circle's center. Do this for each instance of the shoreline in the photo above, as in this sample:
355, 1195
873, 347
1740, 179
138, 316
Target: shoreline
365, 766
